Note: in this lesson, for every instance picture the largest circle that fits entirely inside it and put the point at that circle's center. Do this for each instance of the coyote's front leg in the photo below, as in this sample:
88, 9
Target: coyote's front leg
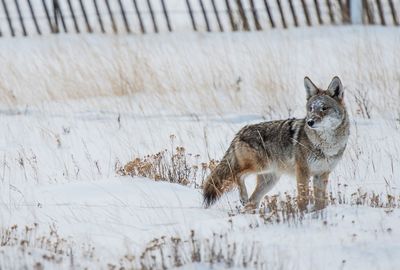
302, 177
320, 183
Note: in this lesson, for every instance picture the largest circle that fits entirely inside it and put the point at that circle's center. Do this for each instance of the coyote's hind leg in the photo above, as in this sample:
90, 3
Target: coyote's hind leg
265, 182
244, 197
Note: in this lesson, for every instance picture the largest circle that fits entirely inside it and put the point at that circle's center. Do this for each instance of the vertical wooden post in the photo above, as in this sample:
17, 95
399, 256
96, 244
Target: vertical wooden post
380, 11
96, 7
330, 11
281, 12
296, 23
153, 18
71, 9
243, 17
270, 17
34, 17
205, 16
114, 26
394, 14
46, 10
191, 15
230, 15
10, 25
255, 16
217, 16
306, 14
121, 7
318, 10
139, 16
88, 27
165, 11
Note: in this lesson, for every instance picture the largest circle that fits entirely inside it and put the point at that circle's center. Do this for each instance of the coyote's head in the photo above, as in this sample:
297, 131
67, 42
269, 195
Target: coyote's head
325, 108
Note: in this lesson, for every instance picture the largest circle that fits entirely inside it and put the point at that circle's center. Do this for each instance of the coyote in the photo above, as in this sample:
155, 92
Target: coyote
308, 147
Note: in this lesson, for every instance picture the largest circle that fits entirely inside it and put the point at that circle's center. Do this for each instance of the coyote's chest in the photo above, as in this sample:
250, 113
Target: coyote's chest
322, 164
325, 160
327, 150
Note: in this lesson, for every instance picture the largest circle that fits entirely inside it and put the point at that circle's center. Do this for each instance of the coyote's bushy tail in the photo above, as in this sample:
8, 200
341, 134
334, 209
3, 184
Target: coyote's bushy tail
221, 179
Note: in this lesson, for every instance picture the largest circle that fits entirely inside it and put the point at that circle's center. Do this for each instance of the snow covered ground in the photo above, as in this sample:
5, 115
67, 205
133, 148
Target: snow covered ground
74, 108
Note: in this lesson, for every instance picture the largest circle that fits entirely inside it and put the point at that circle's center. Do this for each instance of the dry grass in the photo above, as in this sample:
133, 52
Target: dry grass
190, 73
174, 166
160, 253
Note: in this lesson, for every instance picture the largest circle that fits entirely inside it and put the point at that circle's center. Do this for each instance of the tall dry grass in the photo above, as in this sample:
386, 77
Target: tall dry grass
197, 72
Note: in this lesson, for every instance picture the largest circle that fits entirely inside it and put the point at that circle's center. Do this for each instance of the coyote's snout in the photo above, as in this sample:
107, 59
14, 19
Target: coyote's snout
309, 147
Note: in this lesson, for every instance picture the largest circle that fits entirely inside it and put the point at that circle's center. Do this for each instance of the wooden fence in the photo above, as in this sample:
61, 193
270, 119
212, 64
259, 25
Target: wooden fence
41, 17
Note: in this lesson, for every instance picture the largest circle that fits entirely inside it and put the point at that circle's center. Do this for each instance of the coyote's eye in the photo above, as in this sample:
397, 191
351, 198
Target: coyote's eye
324, 108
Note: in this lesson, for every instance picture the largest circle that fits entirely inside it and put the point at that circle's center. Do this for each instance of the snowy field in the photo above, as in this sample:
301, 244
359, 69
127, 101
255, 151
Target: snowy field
74, 109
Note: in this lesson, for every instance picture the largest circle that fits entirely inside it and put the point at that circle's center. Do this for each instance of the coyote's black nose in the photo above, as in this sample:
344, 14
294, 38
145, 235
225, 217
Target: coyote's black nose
310, 123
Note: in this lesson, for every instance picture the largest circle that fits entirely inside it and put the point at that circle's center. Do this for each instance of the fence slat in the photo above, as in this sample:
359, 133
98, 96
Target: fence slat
96, 7
34, 17
380, 12
71, 10
121, 7
242, 14
306, 14
230, 15
255, 16
367, 11
318, 10
46, 10
344, 8
217, 16
189, 7
281, 12
88, 27
58, 12
394, 13
165, 11
139, 16
330, 11
10, 25
153, 18
269, 13
205, 15
21, 19
110, 14
296, 23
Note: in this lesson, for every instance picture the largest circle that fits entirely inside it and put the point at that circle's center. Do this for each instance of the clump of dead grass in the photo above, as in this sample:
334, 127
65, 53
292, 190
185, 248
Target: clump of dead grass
174, 166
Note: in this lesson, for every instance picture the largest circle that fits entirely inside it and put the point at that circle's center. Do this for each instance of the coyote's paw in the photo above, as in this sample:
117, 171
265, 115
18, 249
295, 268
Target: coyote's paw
249, 208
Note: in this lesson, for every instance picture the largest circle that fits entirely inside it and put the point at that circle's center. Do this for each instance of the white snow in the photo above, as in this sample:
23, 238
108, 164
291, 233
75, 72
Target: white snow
66, 122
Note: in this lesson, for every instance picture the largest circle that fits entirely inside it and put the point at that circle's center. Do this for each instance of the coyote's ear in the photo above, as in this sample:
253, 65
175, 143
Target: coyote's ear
335, 88
311, 89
